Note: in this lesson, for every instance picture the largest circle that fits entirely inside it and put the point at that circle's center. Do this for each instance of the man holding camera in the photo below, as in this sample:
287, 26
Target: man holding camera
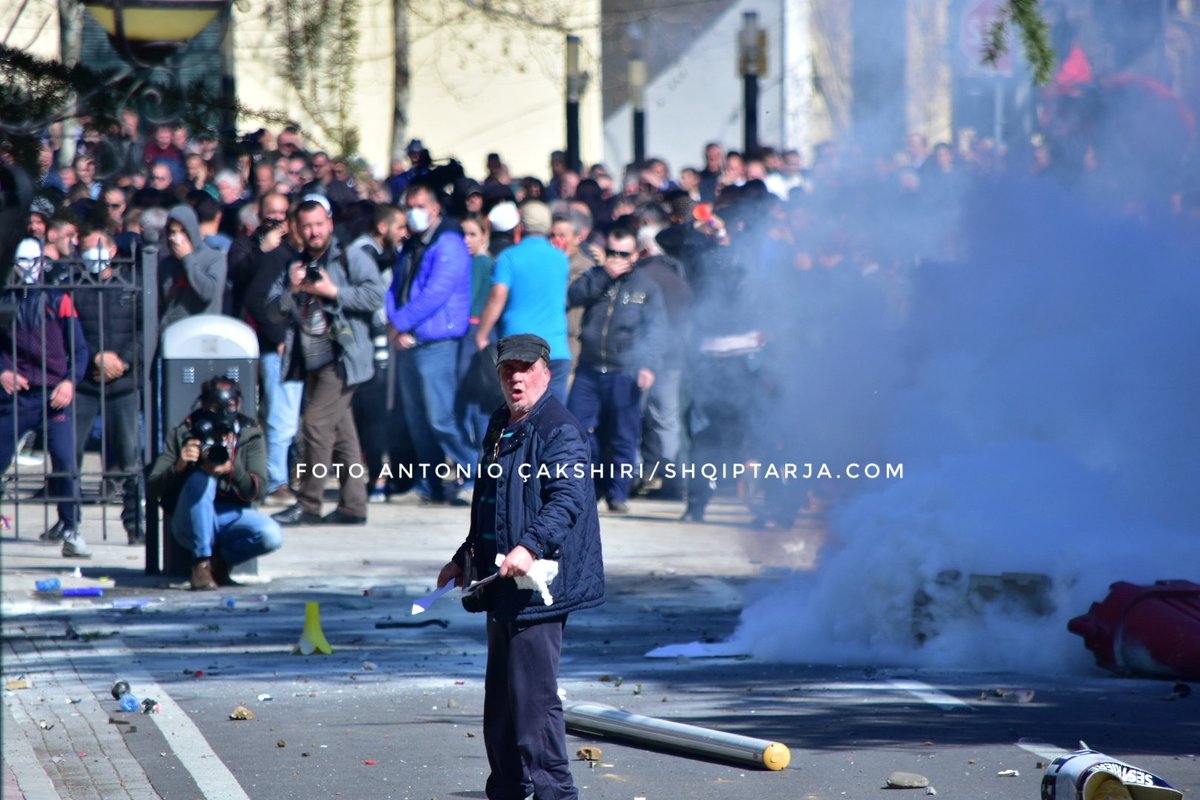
213, 467
328, 298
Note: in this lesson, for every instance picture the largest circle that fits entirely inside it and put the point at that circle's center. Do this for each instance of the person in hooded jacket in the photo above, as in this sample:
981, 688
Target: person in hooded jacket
192, 275
43, 356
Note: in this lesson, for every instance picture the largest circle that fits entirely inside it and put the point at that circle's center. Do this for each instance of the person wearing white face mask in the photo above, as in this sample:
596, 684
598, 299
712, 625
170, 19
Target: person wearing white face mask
429, 310
110, 319
42, 357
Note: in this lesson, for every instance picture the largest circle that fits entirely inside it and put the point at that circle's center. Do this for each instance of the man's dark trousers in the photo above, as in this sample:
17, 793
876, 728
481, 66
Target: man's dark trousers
120, 431
523, 727
32, 407
609, 405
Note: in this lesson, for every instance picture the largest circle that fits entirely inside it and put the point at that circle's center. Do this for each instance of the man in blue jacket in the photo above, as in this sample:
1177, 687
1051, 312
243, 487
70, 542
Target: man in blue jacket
533, 500
429, 310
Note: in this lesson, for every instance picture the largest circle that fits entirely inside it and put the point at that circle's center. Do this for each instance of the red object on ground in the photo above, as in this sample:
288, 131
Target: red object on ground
369, 762
1151, 631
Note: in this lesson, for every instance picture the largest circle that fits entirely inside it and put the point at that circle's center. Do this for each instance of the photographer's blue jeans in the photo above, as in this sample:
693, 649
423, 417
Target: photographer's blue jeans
206, 525
283, 417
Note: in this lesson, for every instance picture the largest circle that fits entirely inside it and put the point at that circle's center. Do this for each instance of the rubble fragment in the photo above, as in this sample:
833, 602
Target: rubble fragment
907, 780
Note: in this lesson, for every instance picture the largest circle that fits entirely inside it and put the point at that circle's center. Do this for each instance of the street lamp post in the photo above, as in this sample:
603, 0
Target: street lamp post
752, 63
576, 81
637, 94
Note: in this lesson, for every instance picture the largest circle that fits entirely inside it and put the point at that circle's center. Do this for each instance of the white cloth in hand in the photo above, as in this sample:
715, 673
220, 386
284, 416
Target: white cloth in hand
541, 575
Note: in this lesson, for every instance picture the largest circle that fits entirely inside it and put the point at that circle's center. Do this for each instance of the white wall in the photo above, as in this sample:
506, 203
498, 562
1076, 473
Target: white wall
699, 98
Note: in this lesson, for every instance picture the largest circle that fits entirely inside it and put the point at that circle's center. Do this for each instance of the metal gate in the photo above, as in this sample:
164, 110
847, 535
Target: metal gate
96, 486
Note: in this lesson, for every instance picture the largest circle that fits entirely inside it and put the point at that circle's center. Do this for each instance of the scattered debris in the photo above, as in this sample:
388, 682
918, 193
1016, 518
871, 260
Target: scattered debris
265, 698
281, 744
1009, 695
589, 753
929, 790
1086, 773
637, 688
470, 735
1179, 691
45, 725
370, 762
19, 683
952, 596
907, 780
115, 721
451, 703
150, 706
241, 713
441, 623
130, 603
594, 719
84, 591
368, 666
606, 678
1009, 773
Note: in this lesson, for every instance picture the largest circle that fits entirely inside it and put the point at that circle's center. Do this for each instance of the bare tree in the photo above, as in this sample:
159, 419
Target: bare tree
402, 93
70, 40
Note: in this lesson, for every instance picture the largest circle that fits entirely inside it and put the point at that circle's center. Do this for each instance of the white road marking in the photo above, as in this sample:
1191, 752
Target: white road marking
1043, 750
210, 773
928, 694
921, 691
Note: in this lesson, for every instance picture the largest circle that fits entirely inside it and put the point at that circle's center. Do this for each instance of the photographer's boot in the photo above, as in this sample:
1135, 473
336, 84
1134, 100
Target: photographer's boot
202, 576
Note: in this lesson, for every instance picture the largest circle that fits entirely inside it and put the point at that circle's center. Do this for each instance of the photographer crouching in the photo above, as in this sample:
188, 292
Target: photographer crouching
212, 469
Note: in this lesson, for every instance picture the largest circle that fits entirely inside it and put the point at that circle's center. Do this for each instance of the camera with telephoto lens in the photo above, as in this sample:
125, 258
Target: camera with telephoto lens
210, 429
312, 273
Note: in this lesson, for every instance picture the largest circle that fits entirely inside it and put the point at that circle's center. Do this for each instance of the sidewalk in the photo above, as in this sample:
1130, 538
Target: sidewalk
82, 754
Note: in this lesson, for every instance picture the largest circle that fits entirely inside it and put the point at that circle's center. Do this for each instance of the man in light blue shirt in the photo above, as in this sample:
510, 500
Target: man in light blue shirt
529, 294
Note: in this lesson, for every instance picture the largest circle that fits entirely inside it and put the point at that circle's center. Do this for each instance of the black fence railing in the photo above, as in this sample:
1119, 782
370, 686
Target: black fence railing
113, 406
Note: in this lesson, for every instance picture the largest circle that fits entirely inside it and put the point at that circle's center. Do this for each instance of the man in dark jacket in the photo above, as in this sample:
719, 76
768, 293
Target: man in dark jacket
621, 344
110, 315
42, 357
274, 247
212, 469
533, 500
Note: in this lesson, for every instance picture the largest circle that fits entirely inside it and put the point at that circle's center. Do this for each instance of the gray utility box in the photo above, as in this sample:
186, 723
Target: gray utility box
194, 350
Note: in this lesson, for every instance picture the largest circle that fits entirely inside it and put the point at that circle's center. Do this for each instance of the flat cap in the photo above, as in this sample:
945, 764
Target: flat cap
522, 347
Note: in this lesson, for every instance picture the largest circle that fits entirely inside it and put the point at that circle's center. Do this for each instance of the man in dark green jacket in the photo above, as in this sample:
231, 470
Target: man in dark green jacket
212, 469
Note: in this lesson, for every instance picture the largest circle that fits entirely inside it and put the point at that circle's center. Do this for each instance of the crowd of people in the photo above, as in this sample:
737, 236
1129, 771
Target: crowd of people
674, 303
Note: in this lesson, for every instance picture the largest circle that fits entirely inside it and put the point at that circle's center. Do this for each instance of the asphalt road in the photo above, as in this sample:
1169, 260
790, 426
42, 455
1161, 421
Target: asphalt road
395, 712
